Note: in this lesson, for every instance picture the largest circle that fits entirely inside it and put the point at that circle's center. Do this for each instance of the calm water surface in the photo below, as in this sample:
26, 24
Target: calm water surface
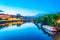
27, 31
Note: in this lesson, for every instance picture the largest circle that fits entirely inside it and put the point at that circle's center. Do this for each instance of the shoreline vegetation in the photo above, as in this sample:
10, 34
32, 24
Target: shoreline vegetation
49, 19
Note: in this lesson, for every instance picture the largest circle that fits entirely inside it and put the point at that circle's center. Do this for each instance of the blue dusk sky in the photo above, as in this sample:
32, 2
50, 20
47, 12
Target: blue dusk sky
29, 7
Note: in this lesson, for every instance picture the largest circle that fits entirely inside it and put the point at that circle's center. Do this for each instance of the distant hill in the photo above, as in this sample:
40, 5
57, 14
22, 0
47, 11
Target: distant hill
36, 16
42, 14
1, 11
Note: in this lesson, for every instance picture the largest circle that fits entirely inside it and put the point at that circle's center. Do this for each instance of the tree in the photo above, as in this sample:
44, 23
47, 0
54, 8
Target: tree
48, 19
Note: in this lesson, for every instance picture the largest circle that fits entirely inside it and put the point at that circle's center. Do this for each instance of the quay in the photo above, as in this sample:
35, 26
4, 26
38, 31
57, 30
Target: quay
10, 22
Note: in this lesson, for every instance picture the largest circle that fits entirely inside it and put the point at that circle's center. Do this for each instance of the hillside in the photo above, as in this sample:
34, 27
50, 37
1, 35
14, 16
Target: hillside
49, 19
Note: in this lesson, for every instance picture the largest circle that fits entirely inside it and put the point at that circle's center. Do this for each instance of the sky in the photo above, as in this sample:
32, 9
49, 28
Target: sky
29, 7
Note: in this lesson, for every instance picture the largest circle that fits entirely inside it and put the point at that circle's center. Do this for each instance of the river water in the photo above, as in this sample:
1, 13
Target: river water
27, 31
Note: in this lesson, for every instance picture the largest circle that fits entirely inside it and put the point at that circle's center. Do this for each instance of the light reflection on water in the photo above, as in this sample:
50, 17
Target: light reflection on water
27, 31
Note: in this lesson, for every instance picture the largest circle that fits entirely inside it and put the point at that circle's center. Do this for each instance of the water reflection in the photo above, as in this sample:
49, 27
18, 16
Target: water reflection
18, 25
46, 32
29, 32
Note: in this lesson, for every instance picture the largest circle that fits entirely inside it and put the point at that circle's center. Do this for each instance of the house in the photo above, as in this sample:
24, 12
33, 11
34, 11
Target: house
58, 22
4, 16
58, 25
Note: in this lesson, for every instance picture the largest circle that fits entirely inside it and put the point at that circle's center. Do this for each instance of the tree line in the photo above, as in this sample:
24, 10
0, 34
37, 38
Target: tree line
48, 19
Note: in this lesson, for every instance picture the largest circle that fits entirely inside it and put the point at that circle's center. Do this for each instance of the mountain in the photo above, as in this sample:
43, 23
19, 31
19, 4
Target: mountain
42, 14
1, 11
26, 16
36, 16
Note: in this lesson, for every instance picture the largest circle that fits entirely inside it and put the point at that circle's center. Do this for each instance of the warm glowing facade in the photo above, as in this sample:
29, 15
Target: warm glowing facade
4, 16
58, 21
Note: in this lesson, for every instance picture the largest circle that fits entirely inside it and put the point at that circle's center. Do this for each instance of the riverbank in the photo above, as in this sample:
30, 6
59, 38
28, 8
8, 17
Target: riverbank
48, 29
56, 36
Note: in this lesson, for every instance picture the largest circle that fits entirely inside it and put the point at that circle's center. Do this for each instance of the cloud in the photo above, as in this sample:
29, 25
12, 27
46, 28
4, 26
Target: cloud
16, 10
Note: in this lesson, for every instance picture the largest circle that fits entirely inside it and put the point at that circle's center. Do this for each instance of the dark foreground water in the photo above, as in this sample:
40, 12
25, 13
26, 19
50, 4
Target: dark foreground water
27, 31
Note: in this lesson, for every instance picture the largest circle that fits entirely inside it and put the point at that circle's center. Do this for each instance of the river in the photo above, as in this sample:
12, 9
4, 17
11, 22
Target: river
27, 31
